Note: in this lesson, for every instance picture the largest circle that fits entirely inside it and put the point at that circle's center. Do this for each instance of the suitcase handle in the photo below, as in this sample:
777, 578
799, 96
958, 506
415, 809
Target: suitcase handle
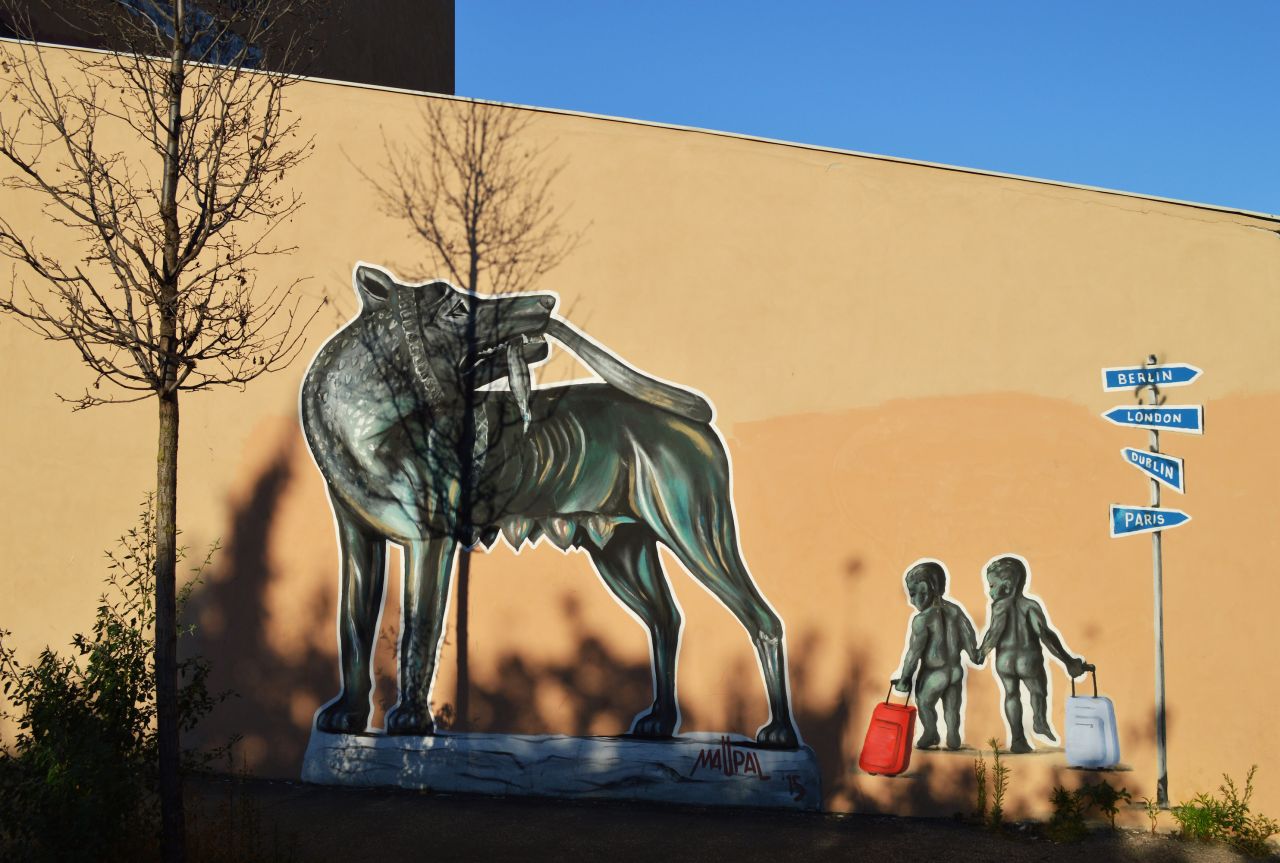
1093, 672
889, 694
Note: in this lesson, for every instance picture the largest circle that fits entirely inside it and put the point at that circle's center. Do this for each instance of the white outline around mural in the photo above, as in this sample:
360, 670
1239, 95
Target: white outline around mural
499, 385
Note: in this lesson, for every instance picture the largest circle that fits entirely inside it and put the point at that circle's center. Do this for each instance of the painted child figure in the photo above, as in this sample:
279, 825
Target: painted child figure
940, 632
1016, 627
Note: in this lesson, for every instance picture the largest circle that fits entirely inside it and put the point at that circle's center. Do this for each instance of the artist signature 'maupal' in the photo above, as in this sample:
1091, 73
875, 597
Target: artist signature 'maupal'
729, 760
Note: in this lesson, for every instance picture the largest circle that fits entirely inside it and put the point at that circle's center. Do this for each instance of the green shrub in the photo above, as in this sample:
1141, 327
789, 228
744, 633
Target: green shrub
1071, 807
1227, 818
79, 781
1106, 798
980, 776
1067, 823
1153, 813
999, 786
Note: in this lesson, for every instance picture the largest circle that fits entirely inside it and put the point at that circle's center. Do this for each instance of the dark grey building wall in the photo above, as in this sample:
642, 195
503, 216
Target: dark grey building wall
393, 43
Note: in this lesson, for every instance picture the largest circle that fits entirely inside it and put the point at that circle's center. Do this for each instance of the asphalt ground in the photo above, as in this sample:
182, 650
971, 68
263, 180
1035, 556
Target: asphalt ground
271, 820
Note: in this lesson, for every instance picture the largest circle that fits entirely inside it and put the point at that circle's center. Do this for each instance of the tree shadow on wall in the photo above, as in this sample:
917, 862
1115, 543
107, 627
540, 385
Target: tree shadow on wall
823, 726
599, 691
232, 625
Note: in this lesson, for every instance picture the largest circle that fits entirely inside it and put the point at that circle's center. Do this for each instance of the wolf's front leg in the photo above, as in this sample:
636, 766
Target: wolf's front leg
428, 566
360, 584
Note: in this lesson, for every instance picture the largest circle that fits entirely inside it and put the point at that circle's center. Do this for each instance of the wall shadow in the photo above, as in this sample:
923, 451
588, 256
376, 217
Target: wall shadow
231, 617
824, 726
599, 690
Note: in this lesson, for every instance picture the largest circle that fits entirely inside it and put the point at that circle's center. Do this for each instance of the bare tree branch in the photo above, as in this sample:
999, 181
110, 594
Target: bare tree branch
236, 142
478, 195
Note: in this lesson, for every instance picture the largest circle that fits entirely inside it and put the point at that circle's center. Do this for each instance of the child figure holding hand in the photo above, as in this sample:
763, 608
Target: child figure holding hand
940, 632
1016, 627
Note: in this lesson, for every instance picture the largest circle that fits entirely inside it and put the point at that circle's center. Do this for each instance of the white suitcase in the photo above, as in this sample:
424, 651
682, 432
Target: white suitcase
1091, 737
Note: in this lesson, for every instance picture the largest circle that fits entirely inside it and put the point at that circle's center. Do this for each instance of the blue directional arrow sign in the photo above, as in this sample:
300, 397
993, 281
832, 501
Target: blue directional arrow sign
1128, 520
1168, 375
1165, 468
1180, 418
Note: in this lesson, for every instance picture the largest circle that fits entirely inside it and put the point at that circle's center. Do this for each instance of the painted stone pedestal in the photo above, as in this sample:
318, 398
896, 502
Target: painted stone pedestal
703, 769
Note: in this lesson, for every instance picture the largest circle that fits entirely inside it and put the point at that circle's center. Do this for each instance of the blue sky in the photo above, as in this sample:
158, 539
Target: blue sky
1178, 98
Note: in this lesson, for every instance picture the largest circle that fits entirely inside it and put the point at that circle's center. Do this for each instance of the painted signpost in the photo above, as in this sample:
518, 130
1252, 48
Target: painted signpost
1188, 419
1166, 375
1165, 469
1126, 520
1155, 416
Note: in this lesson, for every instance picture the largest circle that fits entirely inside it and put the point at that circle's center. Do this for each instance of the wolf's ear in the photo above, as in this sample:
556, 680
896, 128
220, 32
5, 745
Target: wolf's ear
374, 285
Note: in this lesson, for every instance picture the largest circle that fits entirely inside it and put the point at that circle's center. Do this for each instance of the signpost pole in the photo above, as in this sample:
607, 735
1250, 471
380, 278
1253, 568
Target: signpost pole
1162, 767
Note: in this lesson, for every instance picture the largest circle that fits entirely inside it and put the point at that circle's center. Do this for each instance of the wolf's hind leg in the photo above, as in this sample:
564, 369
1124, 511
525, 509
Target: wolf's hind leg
630, 568
428, 566
360, 586
713, 558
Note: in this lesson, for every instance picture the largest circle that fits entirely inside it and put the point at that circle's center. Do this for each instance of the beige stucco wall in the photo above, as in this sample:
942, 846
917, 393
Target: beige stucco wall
904, 363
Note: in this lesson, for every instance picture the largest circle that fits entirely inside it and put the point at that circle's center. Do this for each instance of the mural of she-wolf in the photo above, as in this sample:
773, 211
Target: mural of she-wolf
414, 453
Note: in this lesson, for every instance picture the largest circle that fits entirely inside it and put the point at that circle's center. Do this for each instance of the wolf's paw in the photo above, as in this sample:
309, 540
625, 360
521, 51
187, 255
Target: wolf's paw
1042, 728
1020, 747
657, 723
409, 719
779, 734
341, 718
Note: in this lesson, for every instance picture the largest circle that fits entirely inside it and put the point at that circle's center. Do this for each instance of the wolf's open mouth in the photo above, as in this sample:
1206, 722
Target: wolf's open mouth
501, 347
516, 352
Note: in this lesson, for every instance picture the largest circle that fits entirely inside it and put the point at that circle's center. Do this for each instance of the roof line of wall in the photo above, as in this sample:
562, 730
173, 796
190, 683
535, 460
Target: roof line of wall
1236, 211
941, 166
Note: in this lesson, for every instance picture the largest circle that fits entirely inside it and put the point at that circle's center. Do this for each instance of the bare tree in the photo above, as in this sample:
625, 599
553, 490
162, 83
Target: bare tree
165, 158
477, 194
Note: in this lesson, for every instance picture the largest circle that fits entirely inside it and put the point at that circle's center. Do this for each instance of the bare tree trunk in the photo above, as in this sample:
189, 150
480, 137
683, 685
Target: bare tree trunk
172, 826
464, 663
171, 815
466, 511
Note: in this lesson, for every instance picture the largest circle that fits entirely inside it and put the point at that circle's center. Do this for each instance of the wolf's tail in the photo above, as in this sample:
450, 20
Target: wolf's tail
631, 381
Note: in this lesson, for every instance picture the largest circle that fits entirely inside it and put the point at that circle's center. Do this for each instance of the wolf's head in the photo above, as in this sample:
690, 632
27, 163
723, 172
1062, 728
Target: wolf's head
458, 341
455, 342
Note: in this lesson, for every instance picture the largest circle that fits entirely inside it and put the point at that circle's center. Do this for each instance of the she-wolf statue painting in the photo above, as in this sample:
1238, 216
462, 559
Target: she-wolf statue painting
416, 451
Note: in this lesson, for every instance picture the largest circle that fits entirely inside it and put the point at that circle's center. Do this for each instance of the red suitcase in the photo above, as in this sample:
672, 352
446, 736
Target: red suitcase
887, 749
